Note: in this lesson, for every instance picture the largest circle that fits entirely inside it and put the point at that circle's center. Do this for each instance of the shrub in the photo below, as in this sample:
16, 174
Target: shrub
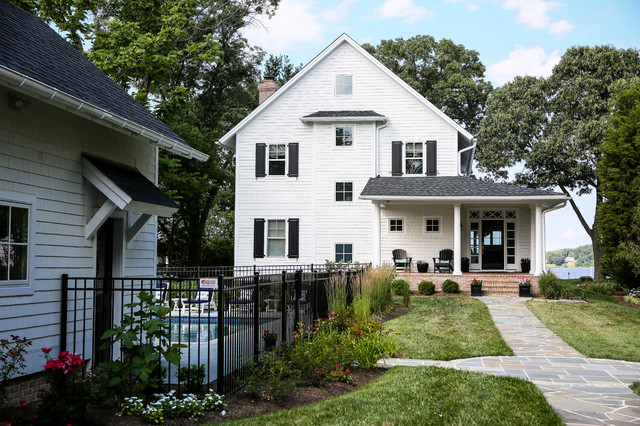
378, 283
398, 286
607, 287
450, 286
633, 297
192, 377
549, 285
426, 287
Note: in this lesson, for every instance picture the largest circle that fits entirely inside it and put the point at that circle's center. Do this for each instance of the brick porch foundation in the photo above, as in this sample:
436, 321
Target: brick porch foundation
492, 283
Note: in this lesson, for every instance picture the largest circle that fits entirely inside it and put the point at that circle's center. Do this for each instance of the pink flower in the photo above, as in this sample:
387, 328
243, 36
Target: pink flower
46, 350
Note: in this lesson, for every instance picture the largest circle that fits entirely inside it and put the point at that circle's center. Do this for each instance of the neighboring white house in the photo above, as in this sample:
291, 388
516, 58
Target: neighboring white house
78, 168
346, 161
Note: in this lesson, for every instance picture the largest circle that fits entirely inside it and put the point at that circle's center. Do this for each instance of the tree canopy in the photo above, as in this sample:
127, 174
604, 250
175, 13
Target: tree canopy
619, 175
450, 76
280, 68
554, 127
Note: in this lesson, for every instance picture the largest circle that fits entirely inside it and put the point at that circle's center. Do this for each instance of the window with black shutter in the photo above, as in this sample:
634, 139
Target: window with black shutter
432, 161
294, 238
261, 151
293, 160
396, 158
258, 238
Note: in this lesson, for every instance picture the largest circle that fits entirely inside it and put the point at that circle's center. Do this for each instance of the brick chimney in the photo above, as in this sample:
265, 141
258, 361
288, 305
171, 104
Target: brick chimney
266, 89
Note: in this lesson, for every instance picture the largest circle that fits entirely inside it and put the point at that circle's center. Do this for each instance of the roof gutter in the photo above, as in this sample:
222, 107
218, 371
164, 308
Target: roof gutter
473, 198
473, 148
74, 105
343, 119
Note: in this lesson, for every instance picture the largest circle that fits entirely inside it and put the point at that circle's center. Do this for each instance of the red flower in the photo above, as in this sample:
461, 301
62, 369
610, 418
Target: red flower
46, 350
22, 402
63, 354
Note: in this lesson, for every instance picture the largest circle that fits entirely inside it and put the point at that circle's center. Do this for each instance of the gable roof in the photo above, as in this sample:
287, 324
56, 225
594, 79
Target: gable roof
229, 138
35, 60
441, 188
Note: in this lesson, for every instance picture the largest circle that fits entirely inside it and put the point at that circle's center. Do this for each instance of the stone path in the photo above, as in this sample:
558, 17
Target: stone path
581, 390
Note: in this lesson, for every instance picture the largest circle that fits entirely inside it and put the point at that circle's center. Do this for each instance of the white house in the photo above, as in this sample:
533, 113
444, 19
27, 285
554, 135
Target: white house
78, 175
346, 161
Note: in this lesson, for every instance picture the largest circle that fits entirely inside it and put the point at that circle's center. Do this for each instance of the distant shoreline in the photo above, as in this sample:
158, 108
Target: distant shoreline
566, 273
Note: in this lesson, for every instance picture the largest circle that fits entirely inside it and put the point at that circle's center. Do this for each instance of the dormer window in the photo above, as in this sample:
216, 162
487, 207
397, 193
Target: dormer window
344, 85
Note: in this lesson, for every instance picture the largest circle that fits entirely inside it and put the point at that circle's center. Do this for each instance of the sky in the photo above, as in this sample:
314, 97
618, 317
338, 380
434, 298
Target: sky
512, 37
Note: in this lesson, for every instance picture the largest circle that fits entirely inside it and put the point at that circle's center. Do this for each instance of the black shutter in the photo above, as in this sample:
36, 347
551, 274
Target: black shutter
293, 159
294, 238
396, 158
258, 238
261, 153
432, 159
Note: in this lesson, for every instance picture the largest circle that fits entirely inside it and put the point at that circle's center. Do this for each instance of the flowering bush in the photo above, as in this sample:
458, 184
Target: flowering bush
633, 297
476, 281
12, 357
171, 406
65, 363
525, 282
270, 338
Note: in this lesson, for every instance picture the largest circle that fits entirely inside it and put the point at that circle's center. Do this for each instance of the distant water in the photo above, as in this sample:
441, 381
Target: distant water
572, 273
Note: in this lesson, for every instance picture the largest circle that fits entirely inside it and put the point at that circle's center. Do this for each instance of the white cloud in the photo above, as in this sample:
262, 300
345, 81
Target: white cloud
535, 14
572, 233
534, 62
402, 9
472, 7
292, 25
339, 12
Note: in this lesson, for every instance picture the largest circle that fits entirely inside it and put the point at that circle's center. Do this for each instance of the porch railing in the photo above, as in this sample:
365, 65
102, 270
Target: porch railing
222, 333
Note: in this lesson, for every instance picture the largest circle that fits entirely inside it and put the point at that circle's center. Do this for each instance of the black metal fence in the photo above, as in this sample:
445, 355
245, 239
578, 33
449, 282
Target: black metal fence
220, 321
245, 271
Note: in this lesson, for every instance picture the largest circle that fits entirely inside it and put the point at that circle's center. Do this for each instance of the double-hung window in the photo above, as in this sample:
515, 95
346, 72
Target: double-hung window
14, 242
276, 238
282, 238
413, 158
344, 135
277, 158
344, 85
344, 191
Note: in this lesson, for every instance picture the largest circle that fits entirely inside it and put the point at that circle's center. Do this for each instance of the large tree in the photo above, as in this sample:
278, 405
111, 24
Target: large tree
619, 175
450, 76
553, 128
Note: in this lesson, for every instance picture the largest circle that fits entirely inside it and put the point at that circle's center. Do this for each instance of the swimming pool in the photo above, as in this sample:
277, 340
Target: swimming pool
203, 329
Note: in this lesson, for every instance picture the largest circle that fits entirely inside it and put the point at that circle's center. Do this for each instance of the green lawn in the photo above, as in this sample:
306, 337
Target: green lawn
427, 395
635, 387
603, 328
446, 328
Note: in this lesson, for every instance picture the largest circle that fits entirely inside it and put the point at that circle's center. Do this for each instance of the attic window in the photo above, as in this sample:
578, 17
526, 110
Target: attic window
344, 85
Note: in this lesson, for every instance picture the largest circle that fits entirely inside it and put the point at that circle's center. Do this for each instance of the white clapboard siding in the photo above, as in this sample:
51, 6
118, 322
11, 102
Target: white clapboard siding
40, 155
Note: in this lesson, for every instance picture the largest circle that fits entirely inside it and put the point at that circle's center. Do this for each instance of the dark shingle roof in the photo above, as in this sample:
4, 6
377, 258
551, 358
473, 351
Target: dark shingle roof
320, 114
28, 46
445, 186
131, 181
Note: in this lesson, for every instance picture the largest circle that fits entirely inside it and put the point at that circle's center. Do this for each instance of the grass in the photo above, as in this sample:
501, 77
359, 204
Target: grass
427, 395
635, 387
446, 328
602, 328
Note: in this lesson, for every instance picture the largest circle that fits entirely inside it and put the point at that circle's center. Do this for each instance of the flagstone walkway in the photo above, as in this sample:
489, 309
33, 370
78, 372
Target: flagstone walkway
581, 390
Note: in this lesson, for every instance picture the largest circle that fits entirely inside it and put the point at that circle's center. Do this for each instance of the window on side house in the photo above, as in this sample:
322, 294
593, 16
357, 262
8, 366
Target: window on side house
414, 158
14, 242
432, 224
277, 155
276, 238
344, 136
396, 225
344, 191
344, 252
344, 85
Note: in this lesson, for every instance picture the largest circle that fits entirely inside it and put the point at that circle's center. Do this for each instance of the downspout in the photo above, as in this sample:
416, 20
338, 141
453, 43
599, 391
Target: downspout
376, 171
544, 234
472, 147
377, 237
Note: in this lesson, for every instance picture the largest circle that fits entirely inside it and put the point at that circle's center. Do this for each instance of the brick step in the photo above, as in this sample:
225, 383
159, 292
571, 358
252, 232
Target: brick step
506, 284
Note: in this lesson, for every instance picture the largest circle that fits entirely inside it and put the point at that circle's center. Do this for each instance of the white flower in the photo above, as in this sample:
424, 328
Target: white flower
224, 413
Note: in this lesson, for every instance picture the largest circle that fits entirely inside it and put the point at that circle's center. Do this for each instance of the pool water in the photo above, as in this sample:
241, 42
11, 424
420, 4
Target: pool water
190, 330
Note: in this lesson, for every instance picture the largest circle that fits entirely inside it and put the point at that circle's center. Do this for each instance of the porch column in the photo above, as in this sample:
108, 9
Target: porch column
532, 244
539, 257
457, 244
376, 235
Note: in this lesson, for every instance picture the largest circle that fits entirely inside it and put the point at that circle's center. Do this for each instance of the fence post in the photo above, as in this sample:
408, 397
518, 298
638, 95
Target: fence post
283, 306
296, 314
64, 297
315, 296
256, 315
220, 379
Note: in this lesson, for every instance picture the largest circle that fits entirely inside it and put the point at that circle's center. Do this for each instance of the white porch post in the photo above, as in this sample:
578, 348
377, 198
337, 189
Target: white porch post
376, 235
457, 244
532, 249
539, 246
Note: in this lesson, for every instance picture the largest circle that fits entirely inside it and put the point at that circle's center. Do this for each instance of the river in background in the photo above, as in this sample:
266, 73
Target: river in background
572, 273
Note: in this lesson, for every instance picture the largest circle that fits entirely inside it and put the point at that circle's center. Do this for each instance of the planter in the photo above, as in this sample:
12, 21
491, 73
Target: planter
464, 264
423, 267
524, 291
525, 267
476, 289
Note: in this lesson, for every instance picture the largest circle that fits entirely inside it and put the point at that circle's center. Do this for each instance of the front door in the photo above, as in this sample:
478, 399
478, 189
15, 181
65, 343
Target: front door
492, 244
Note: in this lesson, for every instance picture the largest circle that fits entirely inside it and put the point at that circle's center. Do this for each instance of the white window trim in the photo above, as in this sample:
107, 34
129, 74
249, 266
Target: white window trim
286, 160
404, 159
353, 138
266, 238
335, 84
404, 225
424, 225
353, 193
353, 250
22, 287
